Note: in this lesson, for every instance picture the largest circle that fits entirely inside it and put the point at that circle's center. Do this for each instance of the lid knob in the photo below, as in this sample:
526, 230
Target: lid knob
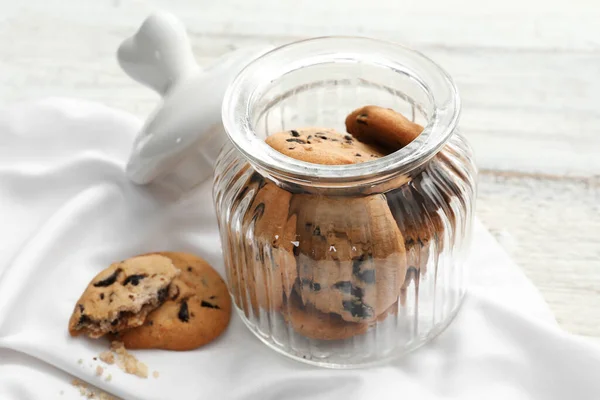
181, 138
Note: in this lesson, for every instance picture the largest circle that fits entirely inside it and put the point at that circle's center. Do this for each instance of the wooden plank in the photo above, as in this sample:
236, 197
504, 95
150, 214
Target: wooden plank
551, 24
550, 227
526, 111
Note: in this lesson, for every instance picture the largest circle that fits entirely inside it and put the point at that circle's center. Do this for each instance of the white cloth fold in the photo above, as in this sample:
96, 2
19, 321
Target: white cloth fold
67, 211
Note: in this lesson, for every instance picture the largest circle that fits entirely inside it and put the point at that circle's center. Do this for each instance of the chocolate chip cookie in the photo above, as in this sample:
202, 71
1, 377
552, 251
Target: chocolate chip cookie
323, 146
121, 296
196, 311
269, 272
382, 127
314, 324
351, 255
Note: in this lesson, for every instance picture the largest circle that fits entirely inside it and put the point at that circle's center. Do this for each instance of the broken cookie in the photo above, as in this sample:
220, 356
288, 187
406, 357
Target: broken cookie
121, 296
197, 309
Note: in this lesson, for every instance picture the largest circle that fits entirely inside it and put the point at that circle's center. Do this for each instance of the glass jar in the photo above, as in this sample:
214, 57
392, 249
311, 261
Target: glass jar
343, 266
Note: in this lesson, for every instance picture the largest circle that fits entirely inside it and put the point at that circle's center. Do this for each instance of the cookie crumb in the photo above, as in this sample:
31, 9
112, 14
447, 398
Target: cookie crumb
107, 357
127, 362
155, 374
90, 392
99, 370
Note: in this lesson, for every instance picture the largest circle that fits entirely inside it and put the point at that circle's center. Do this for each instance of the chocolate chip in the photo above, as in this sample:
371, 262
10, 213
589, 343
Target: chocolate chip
347, 137
321, 136
132, 297
109, 280
150, 323
101, 296
209, 305
296, 140
183, 314
295, 133
95, 358
309, 137
115, 322
291, 148
212, 297
134, 279
358, 155
314, 286
84, 319
81, 307
162, 294
357, 263
317, 231
343, 286
348, 287
189, 269
367, 276
357, 308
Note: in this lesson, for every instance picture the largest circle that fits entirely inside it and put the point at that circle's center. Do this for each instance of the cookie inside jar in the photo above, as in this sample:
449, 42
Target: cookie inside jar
336, 263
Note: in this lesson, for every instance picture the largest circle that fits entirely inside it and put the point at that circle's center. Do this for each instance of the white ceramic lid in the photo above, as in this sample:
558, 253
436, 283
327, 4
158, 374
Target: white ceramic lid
182, 137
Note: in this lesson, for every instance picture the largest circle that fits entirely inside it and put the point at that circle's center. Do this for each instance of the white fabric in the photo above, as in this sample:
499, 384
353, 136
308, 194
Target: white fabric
67, 211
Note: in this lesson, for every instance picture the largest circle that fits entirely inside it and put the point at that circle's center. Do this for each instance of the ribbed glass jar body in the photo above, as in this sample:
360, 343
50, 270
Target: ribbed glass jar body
342, 266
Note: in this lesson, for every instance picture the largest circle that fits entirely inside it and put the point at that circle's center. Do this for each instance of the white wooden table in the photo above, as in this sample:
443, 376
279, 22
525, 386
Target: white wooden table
528, 72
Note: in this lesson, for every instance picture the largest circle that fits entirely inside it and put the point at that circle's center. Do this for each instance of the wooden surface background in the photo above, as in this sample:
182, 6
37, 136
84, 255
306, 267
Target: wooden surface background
528, 73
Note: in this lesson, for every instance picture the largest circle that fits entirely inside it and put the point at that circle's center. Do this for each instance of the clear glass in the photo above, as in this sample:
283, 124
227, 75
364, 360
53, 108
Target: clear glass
344, 266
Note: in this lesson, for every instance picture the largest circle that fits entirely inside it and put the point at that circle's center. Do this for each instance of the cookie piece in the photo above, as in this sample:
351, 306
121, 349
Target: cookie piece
323, 146
351, 255
383, 127
121, 296
269, 272
197, 311
314, 324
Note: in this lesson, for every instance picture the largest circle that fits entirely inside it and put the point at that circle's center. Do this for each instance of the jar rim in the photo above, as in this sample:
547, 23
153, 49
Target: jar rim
260, 73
